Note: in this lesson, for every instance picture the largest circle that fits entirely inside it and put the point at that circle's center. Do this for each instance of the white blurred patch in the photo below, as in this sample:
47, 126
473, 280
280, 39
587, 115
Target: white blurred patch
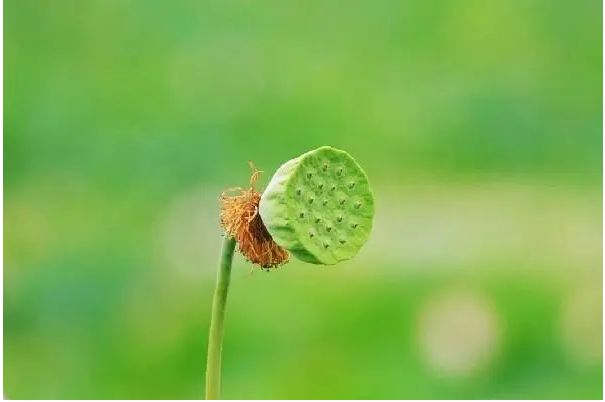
582, 323
458, 333
420, 224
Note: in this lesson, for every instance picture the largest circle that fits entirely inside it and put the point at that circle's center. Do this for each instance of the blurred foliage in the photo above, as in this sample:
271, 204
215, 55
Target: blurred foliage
479, 123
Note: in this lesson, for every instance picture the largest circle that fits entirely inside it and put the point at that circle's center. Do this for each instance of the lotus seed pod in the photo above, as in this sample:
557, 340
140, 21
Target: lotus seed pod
319, 206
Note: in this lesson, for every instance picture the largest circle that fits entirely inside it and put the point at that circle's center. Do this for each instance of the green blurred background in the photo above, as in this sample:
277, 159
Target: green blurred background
479, 123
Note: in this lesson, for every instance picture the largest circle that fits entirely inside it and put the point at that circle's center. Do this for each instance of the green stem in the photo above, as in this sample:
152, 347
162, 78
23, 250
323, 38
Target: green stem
215, 338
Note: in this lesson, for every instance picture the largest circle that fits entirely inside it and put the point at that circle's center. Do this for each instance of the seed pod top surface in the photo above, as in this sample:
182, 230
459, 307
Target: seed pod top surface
319, 206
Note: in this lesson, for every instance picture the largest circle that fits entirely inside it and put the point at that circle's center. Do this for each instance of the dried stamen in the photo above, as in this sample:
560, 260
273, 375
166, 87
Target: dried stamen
241, 220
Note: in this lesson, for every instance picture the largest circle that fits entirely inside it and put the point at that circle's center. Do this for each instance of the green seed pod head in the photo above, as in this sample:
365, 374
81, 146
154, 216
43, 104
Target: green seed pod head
319, 206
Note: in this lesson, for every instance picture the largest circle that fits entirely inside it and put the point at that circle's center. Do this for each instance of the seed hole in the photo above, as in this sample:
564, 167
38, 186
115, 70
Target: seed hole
325, 166
342, 241
329, 228
298, 192
339, 172
352, 184
324, 203
311, 200
333, 188
326, 245
309, 175
342, 201
317, 220
311, 234
339, 219
354, 225
357, 205
321, 186
302, 215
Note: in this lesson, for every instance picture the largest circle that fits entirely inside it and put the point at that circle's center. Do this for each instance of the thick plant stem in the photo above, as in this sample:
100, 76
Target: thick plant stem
215, 337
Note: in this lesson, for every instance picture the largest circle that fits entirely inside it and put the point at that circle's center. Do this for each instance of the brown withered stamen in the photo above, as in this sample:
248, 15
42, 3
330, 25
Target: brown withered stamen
241, 220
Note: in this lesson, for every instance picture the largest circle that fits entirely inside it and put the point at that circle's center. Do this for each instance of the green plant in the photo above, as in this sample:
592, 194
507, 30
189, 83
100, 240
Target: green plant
319, 207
